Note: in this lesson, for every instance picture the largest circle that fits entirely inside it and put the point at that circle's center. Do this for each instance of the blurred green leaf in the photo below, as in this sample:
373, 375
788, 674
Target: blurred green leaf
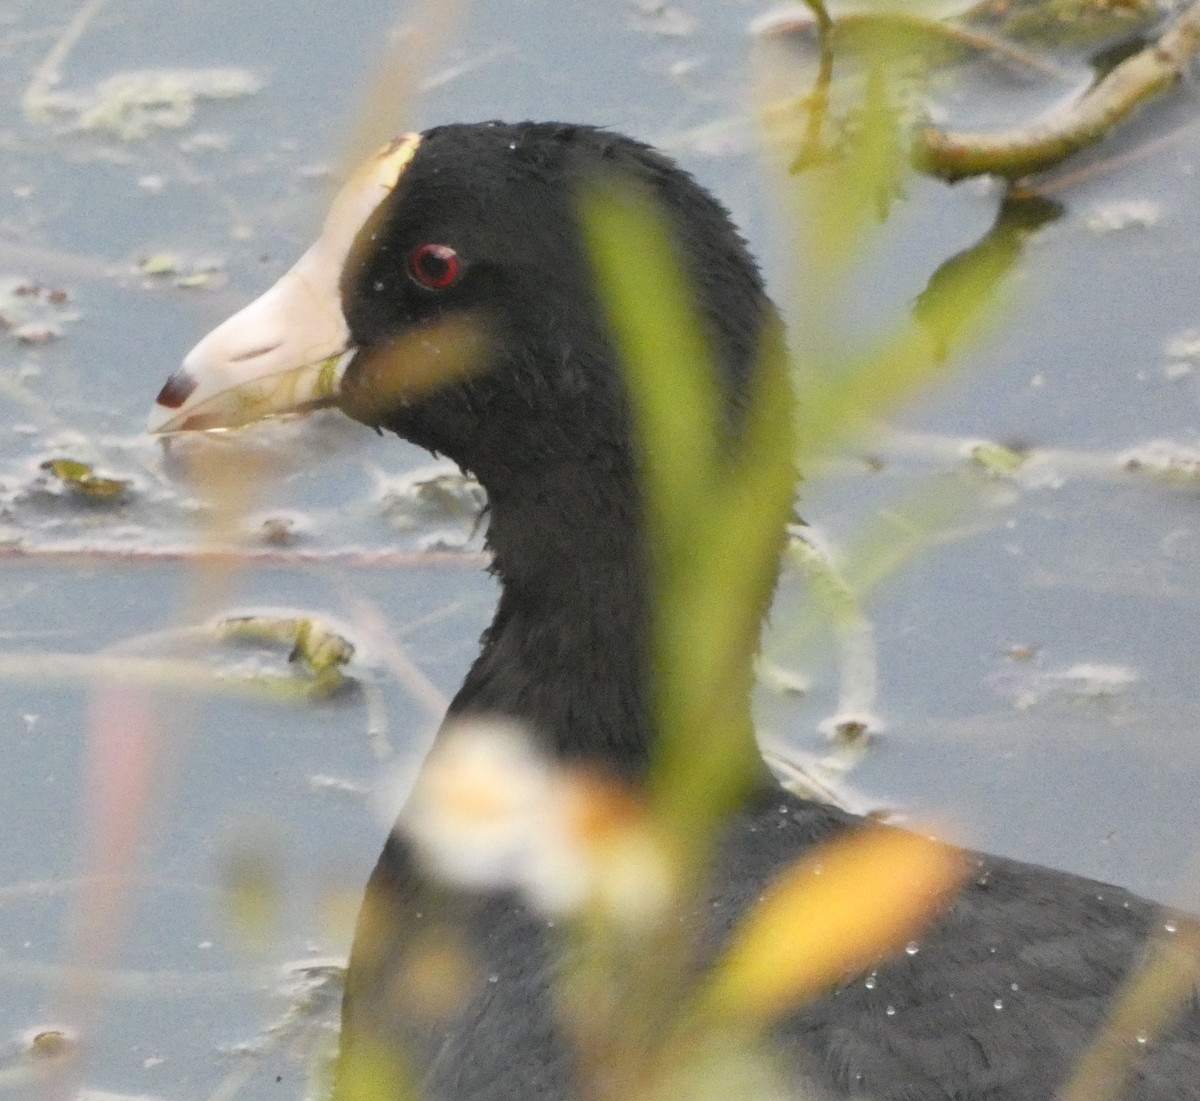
716, 525
670, 367
375, 1072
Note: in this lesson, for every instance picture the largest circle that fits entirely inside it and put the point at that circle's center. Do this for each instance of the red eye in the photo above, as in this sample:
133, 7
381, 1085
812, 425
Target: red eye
434, 266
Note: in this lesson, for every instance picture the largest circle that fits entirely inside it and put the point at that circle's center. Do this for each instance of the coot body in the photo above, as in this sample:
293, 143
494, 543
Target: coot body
467, 237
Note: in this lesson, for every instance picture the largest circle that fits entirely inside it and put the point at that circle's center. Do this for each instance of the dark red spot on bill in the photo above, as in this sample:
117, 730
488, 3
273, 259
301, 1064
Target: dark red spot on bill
178, 389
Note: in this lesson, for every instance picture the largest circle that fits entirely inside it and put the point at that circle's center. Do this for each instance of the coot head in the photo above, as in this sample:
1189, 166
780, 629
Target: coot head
450, 299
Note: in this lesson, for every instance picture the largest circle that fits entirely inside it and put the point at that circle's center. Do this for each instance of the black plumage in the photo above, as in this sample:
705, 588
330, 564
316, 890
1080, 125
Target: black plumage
1002, 994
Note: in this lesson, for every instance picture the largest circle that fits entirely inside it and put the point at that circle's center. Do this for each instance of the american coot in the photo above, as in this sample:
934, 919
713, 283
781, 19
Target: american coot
448, 299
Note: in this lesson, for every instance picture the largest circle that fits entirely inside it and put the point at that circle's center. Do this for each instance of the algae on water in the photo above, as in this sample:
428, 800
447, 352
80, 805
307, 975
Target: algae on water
133, 103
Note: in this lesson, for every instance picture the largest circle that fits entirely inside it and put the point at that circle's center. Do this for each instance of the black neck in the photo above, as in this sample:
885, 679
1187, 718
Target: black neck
567, 650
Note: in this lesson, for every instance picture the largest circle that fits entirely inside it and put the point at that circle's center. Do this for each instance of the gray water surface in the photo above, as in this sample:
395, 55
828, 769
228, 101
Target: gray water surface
1036, 670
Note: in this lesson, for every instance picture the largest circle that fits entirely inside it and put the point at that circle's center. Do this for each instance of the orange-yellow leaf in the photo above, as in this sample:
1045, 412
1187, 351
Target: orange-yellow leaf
832, 915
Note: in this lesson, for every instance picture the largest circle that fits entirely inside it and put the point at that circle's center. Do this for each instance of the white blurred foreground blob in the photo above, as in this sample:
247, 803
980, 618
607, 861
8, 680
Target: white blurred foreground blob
489, 811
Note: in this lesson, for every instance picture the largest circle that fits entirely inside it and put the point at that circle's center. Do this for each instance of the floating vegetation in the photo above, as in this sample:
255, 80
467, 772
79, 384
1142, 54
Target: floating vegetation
437, 494
83, 480
1164, 459
167, 267
778, 678
315, 646
32, 312
1094, 680
52, 1043
1046, 38
135, 103
1184, 346
1085, 681
1085, 24
160, 263
1127, 214
996, 459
